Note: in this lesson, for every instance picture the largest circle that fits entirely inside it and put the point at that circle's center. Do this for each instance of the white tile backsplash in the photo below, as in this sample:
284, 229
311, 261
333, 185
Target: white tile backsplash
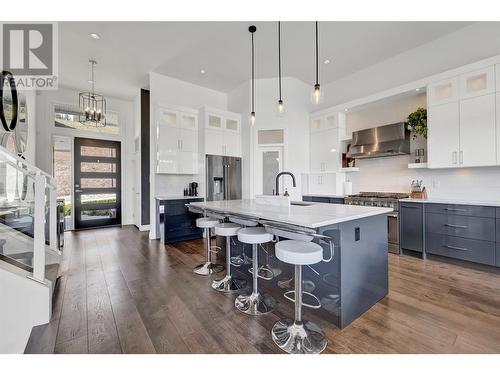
392, 174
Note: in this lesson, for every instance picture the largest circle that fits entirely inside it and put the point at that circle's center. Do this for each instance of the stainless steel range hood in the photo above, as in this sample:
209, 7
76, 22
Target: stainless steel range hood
387, 140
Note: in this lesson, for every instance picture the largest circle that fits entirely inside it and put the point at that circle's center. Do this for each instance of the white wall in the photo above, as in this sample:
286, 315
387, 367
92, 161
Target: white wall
167, 91
294, 121
45, 130
25, 303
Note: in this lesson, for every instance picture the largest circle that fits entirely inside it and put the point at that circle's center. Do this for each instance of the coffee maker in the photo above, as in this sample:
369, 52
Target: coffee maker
193, 189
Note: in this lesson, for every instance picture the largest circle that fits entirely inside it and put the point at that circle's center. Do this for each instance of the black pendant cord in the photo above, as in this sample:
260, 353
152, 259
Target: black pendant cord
253, 77
279, 59
317, 55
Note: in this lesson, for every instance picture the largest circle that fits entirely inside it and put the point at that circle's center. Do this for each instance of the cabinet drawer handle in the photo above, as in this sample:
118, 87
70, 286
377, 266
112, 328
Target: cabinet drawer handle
456, 226
454, 157
456, 248
456, 209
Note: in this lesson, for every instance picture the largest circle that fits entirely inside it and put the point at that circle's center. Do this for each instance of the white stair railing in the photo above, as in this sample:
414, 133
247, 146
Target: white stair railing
42, 183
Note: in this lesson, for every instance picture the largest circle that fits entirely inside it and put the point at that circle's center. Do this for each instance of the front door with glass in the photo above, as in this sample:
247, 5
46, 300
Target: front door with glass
97, 183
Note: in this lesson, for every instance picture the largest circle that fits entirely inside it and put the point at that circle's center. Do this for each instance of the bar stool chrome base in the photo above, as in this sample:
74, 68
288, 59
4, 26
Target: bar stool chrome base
298, 338
255, 303
228, 284
208, 268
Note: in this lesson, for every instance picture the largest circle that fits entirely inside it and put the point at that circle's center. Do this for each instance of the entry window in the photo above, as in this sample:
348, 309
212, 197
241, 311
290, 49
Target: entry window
67, 116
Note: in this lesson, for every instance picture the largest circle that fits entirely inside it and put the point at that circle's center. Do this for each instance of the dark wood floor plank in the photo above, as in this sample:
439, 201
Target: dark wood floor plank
121, 292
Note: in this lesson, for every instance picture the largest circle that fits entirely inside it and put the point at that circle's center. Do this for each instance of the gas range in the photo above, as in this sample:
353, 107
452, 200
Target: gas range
376, 199
383, 200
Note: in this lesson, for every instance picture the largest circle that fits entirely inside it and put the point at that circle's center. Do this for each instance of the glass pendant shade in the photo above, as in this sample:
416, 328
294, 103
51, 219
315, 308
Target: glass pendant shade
317, 95
252, 118
280, 107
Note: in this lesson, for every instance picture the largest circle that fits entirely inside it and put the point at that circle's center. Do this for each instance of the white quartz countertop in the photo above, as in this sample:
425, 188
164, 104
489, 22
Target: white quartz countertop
174, 197
314, 215
454, 201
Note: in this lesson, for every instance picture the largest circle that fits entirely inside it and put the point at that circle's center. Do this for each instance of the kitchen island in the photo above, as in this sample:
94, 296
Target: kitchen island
345, 285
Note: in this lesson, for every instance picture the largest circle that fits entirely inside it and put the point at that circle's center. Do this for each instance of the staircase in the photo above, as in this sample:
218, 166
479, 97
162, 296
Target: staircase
29, 256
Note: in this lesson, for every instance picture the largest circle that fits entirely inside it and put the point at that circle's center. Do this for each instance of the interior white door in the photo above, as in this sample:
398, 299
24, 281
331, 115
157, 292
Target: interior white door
478, 131
269, 164
443, 135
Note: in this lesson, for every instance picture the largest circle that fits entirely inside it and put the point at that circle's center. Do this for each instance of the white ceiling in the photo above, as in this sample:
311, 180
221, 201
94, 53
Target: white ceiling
128, 51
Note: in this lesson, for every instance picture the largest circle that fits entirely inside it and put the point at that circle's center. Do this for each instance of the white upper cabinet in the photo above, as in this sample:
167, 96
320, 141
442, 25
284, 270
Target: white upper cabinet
221, 132
477, 83
497, 99
325, 133
477, 132
443, 136
176, 141
462, 123
443, 92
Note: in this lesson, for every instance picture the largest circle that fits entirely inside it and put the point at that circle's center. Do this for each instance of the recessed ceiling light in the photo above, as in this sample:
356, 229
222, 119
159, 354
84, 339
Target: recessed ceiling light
202, 71
95, 36
326, 62
417, 89
345, 109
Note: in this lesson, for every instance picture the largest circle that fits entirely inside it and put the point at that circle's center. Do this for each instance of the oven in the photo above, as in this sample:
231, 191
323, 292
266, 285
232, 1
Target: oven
393, 232
382, 199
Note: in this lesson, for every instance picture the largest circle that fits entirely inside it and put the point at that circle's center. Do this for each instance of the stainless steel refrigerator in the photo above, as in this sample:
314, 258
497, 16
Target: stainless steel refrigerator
223, 178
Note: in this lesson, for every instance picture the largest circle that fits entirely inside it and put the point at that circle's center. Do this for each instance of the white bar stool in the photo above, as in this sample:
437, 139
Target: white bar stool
298, 336
207, 268
241, 259
254, 303
228, 283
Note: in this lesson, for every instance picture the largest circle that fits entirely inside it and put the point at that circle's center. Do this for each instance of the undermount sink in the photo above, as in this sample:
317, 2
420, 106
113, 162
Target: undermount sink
300, 204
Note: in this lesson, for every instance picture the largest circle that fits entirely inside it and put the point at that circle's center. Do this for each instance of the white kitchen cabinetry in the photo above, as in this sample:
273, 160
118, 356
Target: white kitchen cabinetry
477, 132
477, 83
221, 133
462, 121
497, 99
176, 141
325, 133
443, 135
323, 183
443, 92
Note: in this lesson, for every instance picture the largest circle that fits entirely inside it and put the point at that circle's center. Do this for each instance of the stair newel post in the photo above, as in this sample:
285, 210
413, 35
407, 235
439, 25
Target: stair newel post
53, 218
39, 229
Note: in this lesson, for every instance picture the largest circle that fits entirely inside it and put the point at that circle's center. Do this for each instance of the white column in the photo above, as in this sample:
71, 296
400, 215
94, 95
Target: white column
53, 219
39, 229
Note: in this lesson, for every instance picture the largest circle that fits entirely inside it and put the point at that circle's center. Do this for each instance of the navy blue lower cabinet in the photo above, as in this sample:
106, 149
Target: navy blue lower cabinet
497, 256
411, 233
478, 228
461, 248
179, 224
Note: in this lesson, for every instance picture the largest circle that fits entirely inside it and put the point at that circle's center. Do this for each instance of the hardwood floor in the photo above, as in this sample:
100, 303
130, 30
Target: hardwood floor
122, 293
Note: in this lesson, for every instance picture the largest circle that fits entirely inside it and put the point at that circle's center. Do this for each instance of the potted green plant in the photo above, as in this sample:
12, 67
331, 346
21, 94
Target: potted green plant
417, 123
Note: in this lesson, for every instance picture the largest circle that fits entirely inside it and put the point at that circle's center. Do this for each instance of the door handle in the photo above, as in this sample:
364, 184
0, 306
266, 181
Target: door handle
461, 157
456, 248
455, 226
454, 157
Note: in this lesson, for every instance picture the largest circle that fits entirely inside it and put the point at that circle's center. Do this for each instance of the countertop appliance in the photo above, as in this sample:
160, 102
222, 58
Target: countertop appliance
379, 199
223, 178
387, 140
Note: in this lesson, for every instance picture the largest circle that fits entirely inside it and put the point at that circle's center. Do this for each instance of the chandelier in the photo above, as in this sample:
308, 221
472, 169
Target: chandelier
92, 105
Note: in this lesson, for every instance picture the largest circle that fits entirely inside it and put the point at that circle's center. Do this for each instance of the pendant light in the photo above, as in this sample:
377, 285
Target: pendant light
280, 100
317, 94
252, 30
92, 105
